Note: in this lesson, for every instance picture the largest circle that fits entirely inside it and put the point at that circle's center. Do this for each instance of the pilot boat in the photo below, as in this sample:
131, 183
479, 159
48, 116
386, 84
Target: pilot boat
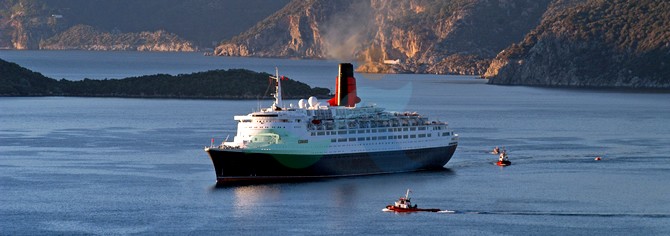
404, 204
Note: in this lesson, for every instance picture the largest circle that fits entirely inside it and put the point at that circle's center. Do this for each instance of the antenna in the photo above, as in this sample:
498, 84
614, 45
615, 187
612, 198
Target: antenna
278, 99
278, 103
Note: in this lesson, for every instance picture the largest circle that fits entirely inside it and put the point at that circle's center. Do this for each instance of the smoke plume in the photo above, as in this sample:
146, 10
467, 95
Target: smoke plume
345, 33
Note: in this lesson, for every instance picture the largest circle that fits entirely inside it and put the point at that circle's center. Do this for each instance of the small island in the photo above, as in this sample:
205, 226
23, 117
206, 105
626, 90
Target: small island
214, 84
85, 37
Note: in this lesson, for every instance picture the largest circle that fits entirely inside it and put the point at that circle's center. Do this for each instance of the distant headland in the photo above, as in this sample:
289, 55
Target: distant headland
214, 84
593, 44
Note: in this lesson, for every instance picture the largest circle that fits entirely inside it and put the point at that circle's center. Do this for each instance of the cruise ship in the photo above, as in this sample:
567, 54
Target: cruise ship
333, 139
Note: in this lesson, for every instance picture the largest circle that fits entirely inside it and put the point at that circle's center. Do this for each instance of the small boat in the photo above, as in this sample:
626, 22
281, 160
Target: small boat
504, 163
495, 151
404, 204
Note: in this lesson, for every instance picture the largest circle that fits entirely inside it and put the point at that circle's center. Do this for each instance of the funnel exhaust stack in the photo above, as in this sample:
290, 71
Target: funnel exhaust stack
345, 90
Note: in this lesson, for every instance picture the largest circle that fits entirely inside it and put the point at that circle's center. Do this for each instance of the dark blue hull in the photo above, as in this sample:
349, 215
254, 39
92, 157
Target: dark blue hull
233, 166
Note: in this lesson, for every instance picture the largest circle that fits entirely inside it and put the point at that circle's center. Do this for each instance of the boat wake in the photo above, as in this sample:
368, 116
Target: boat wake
537, 213
639, 215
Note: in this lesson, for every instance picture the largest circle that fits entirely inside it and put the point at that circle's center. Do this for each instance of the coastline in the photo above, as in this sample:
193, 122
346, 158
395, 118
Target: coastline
213, 84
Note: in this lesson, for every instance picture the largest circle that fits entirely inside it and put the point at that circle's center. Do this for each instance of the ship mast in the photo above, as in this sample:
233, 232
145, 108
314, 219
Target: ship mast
278, 104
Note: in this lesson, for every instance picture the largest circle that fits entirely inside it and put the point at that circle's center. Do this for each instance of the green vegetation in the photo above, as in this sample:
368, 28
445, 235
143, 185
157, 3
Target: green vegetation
18, 81
438, 10
593, 43
216, 84
634, 34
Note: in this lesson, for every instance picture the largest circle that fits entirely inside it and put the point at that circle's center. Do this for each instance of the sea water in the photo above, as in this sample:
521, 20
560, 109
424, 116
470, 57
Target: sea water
73, 165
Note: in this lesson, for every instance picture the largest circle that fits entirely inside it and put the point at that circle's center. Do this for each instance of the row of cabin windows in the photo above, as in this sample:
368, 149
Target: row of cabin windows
272, 127
446, 133
263, 121
345, 151
362, 131
267, 127
411, 136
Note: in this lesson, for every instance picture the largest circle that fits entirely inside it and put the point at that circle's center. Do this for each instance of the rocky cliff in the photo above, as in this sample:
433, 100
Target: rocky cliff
294, 31
592, 43
447, 37
204, 23
84, 37
23, 23
425, 36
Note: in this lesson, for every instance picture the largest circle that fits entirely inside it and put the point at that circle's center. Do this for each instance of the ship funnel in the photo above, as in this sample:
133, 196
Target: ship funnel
345, 90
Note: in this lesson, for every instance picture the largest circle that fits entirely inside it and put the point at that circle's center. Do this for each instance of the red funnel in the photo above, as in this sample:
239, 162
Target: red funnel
345, 92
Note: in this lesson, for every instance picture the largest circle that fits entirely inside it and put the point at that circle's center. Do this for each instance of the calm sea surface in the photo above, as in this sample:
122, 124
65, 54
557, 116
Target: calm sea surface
137, 166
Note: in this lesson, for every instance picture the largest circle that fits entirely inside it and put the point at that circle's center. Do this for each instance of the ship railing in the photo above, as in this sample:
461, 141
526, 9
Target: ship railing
226, 147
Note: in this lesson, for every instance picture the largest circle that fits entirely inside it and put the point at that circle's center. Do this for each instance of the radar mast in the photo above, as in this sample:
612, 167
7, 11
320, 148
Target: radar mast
278, 104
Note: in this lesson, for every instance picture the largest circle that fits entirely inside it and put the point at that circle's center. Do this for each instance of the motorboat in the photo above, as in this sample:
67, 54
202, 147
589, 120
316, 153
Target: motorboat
404, 204
503, 163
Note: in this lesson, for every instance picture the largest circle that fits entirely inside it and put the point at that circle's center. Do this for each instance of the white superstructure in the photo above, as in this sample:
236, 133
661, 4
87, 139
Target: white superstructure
314, 128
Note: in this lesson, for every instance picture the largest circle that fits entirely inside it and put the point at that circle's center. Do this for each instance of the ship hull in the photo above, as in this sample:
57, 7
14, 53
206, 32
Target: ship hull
236, 166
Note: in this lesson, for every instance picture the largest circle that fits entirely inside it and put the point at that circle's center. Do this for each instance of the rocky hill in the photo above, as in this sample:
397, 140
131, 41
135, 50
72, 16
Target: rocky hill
24, 23
84, 37
584, 43
216, 84
204, 23
592, 43
426, 36
16, 80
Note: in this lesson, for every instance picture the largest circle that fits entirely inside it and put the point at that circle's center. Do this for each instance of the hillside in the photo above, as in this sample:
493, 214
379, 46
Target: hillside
592, 43
18, 81
203, 23
84, 37
216, 84
574, 43
427, 36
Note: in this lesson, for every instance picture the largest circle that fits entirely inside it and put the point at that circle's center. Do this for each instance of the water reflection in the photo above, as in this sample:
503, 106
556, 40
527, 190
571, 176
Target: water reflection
345, 196
248, 199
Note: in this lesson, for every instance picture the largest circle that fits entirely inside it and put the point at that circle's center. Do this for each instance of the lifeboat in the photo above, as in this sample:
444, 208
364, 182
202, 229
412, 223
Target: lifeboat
404, 204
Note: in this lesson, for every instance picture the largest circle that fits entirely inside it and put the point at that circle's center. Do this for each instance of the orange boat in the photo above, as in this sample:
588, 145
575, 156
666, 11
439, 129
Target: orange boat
504, 163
